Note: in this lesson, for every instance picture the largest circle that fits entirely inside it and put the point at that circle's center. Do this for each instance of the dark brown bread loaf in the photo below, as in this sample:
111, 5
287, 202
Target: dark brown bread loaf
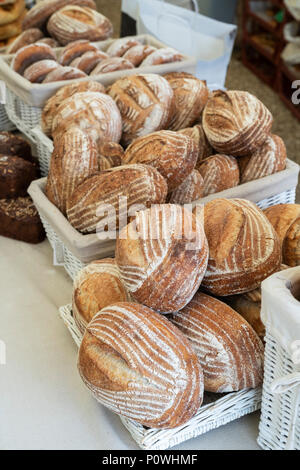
244, 249
28, 55
87, 207
11, 144
229, 351
19, 219
219, 172
164, 265
88, 61
16, 175
236, 122
139, 365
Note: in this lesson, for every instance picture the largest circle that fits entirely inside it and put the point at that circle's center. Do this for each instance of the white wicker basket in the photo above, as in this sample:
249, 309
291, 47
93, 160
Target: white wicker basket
217, 409
279, 427
44, 149
5, 123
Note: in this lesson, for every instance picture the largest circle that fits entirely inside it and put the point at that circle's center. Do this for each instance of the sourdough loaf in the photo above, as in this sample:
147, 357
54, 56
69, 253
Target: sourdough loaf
88, 61
189, 191
111, 65
63, 73
27, 37
137, 54
165, 55
110, 155
76, 49
219, 172
30, 54
120, 46
197, 134
38, 71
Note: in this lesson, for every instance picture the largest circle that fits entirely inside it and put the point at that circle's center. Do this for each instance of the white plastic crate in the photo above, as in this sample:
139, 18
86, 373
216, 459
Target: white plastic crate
216, 410
279, 427
5, 123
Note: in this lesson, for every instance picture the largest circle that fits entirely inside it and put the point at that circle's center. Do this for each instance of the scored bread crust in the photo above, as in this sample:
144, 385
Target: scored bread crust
197, 134
75, 49
38, 71
120, 46
27, 37
30, 54
139, 365
137, 54
165, 55
229, 351
219, 172
189, 191
111, 64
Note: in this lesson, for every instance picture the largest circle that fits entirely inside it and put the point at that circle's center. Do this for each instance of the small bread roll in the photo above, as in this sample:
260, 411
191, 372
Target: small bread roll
139, 365
219, 172
229, 351
137, 54
164, 265
111, 65
120, 46
197, 134
189, 191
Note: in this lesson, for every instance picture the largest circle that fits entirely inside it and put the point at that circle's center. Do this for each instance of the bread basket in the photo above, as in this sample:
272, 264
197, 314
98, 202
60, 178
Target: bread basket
279, 427
72, 249
216, 410
25, 100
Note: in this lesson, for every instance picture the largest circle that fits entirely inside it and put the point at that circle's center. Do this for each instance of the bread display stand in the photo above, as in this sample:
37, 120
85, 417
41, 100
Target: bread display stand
216, 410
280, 419
25, 100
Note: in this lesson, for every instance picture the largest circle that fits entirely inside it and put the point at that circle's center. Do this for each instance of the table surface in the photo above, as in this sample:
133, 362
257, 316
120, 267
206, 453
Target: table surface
44, 404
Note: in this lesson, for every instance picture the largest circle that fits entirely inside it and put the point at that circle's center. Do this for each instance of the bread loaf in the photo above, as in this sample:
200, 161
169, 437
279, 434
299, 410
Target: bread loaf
190, 97
111, 65
244, 249
189, 191
73, 22
56, 100
11, 144
76, 49
95, 113
137, 54
122, 45
266, 160
95, 287
164, 265
285, 218
165, 55
197, 134
24, 39
63, 73
38, 71
10, 13
236, 122
173, 155
110, 155
139, 365
118, 189
75, 158
145, 103
88, 61
28, 55
16, 175
219, 172
229, 351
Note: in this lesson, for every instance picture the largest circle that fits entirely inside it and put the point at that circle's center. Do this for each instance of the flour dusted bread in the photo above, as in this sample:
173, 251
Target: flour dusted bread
236, 122
30, 54
145, 102
139, 365
229, 351
38, 71
164, 265
96, 286
198, 135
122, 188
266, 160
173, 155
285, 219
190, 97
244, 248
219, 172
165, 55
76, 49
63, 73
110, 155
137, 54
189, 191
111, 65
89, 61
27, 37
120, 46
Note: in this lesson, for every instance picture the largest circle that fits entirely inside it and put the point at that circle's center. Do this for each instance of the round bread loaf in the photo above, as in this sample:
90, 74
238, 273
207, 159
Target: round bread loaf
75, 157
107, 200
50, 41
95, 113
139, 365
244, 249
11, 30
219, 172
38, 15
145, 102
110, 155
63, 73
111, 65
56, 100
120, 46
28, 55
162, 257
197, 134
75, 49
189, 191
266, 160
29, 36
137, 54
73, 22
236, 122
10, 13
190, 97
173, 155
96, 286
165, 55
229, 351
285, 218
38, 71
88, 61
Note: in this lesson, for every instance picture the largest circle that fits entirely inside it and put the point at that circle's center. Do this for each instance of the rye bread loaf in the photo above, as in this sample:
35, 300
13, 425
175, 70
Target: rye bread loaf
219, 172
229, 351
37, 72
89, 61
139, 365
11, 144
16, 175
108, 199
62, 73
189, 191
162, 257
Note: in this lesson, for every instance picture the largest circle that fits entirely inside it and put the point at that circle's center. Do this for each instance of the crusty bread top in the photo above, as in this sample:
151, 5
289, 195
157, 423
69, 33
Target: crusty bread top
219, 172
282, 217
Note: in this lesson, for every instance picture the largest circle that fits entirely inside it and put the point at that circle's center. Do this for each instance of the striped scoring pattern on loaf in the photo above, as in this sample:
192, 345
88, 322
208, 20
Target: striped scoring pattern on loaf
145, 102
120, 46
219, 172
268, 159
75, 157
230, 352
243, 247
89, 61
189, 191
190, 97
111, 65
173, 155
236, 122
162, 257
95, 113
198, 135
164, 55
96, 286
121, 188
139, 365
137, 54
75, 50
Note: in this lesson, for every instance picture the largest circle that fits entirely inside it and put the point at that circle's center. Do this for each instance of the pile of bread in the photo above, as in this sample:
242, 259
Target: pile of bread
153, 139
12, 13
39, 62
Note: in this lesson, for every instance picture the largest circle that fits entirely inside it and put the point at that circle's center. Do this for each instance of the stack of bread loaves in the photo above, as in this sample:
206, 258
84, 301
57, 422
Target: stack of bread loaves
12, 13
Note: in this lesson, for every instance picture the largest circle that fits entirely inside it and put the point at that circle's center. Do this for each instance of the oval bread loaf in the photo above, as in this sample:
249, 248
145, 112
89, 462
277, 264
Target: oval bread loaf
30, 54
121, 45
189, 191
198, 135
219, 172
137, 54
139, 365
111, 65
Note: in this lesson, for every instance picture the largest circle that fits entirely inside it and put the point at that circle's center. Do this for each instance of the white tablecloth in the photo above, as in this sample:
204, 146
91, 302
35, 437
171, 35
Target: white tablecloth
43, 403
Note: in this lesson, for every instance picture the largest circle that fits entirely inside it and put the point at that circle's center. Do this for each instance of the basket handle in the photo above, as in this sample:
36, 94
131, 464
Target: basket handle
285, 383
